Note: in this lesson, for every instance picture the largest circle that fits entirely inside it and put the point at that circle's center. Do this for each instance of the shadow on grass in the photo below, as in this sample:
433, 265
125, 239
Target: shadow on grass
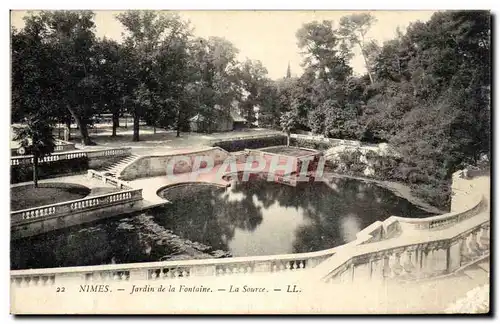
24, 197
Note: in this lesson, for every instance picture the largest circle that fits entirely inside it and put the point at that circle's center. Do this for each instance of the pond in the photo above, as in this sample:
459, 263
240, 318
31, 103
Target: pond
205, 221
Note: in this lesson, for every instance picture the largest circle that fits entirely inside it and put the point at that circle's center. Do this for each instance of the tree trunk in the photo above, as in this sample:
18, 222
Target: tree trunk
367, 68
116, 122
178, 122
35, 169
82, 126
68, 128
288, 139
135, 137
361, 46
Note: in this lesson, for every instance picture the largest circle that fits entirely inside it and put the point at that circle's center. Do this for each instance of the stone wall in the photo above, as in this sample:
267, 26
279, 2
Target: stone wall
154, 166
467, 185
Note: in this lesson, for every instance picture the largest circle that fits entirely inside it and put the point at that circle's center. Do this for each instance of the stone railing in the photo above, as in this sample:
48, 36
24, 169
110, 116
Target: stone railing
64, 146
410, 258
93, 174
443, 221
28, 159
25, 216
371, 253
60, 146
171, 270
395, 248
122, 151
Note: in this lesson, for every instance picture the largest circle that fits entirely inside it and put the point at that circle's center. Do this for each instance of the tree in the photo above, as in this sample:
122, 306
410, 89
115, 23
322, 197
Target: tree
33, 91
288, 121
110, 79
36, 136
353, 29
288, 72
252, 75
70, 35
216, 77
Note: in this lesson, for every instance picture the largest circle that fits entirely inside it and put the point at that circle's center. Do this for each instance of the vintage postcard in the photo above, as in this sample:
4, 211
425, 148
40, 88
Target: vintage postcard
250, 162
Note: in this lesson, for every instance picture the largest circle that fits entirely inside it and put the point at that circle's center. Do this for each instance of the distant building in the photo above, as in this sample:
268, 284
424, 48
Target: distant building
222, 122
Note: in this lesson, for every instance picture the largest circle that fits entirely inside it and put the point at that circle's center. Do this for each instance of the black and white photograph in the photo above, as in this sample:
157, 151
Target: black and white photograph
250, 161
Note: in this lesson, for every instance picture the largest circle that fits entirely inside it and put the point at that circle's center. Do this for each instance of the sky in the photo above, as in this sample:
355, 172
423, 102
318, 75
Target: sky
268, 36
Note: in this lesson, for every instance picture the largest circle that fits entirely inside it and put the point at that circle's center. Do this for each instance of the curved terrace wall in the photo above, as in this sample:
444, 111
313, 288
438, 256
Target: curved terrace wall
156, 165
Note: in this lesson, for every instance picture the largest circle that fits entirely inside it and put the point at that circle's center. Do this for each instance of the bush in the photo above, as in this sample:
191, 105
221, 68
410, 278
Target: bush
23, 173
251, 143
300, 142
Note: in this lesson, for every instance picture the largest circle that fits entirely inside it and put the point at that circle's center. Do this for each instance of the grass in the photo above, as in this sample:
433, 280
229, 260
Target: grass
23, 197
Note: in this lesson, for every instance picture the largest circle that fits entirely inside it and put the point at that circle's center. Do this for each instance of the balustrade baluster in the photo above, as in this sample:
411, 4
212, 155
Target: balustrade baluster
483, 239
472, 245
407, 263
395, 266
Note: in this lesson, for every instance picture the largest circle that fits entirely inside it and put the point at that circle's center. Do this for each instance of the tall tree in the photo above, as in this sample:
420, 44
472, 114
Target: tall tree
33, 92
70, 35
217, 77
324, 78
288, 72
252, 75
145, 34
110, 79
288, 121
353, 29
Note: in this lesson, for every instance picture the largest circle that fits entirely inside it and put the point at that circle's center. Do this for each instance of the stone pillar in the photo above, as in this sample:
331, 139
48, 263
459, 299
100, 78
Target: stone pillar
362, 271
377, 269
454, 256
483, 238
138, 274
407, 261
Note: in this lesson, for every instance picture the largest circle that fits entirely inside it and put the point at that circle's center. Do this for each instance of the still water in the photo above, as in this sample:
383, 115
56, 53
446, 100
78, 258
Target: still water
204, 221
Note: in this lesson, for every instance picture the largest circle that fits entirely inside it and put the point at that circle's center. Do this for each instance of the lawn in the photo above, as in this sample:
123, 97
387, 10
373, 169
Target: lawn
23, 197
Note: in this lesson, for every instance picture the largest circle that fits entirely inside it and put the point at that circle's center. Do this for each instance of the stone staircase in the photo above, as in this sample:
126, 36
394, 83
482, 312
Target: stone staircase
478, 272
115, 169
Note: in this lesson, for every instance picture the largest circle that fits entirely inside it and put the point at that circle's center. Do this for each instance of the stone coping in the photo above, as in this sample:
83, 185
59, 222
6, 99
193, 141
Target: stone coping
76, 151
75, 201
364, 236
187, 183
346, 255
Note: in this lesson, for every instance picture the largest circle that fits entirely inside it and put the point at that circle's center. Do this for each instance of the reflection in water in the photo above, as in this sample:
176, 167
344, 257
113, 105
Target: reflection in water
248, 218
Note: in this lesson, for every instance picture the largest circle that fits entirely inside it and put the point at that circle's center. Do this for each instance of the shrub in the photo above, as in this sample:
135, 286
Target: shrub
23, 173
316, 145
251, 143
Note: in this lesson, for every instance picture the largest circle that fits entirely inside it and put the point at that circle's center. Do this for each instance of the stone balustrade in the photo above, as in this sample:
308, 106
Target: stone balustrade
171, 270
28, 159
25, 216
419, 259
442, 221
60, 146
93, 174
64, 147
397, 248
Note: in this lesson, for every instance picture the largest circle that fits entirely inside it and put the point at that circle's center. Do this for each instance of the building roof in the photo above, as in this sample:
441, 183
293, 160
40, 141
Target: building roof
234, 116
237, 117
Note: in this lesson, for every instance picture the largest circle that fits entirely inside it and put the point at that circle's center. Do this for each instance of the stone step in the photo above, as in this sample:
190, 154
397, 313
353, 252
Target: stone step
485, 265
115, 168
477, 274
